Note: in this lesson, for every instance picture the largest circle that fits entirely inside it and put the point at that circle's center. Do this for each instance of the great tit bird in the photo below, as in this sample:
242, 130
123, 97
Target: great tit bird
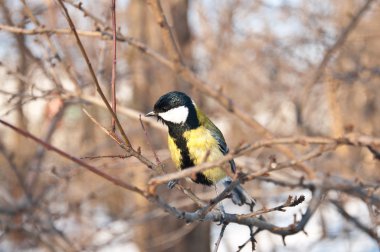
193, 138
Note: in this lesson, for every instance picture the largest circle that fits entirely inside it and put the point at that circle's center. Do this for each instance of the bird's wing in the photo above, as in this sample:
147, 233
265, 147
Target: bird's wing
217, 134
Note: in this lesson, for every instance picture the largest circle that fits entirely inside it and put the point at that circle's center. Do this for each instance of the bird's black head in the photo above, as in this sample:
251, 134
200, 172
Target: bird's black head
176, 110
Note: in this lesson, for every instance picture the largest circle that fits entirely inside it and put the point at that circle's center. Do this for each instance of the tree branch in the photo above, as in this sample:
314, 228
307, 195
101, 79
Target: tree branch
91, 168
93, 75
113, 82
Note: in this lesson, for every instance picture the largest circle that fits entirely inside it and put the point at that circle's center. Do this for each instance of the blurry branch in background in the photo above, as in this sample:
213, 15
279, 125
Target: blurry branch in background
41, 152
338, 44
337, 127
53, 48
20, 178
375, 152
49, 31
105, 29
104, 35
168, 36
371, 232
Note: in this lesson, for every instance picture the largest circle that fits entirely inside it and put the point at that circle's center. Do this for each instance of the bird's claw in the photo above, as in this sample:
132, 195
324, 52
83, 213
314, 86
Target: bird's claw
251, 204
222, 215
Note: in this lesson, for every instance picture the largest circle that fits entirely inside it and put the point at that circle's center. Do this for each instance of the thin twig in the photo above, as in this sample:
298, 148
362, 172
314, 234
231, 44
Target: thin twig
113, 82
290, 202
168, 34
331, 183
112, 135
251, 239
87, 13
131, 113
217, 243
149, 142
376, 153
107, 156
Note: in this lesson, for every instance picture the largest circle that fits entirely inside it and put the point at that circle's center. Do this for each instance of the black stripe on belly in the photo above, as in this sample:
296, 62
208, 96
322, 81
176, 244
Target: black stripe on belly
186, 161
202, 179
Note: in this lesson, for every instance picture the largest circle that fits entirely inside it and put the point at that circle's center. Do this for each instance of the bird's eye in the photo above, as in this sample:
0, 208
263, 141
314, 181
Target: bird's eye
159, 119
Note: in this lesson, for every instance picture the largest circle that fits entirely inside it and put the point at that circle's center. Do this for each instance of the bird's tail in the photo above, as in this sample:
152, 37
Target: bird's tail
238, 195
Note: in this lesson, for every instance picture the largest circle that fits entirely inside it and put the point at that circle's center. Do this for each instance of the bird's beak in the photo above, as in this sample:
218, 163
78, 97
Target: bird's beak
150, 114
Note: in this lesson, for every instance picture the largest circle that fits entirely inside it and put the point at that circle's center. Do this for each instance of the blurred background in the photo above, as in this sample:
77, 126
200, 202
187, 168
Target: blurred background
296, 67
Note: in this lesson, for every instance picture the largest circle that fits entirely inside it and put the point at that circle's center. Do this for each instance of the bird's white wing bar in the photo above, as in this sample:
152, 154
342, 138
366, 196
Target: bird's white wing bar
175, 115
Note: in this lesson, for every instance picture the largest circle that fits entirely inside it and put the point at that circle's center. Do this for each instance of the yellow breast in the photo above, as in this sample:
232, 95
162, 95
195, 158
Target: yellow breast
200, 143
175, 152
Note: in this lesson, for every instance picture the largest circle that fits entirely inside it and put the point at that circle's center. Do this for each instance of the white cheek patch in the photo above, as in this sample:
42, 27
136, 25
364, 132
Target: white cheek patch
176, 115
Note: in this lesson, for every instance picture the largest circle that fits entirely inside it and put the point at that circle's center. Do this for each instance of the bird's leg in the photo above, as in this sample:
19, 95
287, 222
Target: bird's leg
221, 207
223, 213
172, 183
239, 196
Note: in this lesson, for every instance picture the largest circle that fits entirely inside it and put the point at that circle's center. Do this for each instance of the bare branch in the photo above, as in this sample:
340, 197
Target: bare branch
113, 82
346, 140
217, 243
256, 222
93, 75
290, 202
91, 168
